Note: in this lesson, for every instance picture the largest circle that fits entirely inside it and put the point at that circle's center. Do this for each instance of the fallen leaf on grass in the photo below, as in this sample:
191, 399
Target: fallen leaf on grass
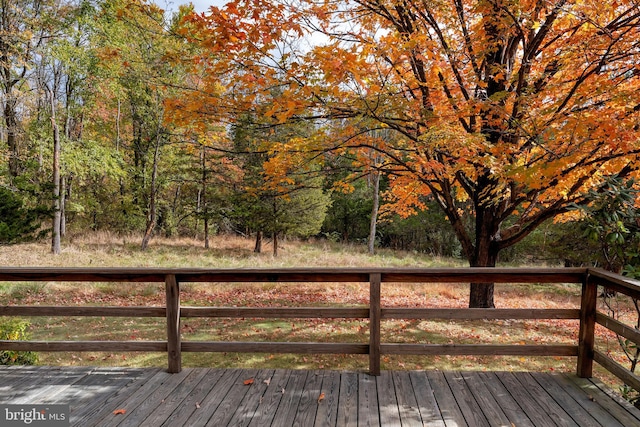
321, 397
248, 382
119, 412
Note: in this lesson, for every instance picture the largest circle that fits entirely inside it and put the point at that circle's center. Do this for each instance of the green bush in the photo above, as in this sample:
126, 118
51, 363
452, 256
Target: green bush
16, 222
15, 330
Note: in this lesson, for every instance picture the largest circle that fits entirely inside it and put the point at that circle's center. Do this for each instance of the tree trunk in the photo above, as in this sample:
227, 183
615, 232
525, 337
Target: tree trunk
11, 121
57, 214
481, 293
152, 217
275, 243
196, 227
206, 232
205, 208
374, 212
63, 204
258, 247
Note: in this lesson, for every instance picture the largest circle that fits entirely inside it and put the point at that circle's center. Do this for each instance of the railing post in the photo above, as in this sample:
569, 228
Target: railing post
375, 310
173, 324
586, 338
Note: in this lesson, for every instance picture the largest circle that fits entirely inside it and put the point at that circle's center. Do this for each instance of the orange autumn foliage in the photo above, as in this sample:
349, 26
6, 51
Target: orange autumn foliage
510, 110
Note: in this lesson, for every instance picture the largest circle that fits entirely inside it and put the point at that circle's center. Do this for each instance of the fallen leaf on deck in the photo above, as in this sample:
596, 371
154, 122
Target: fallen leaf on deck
267, 381
197, 405
119, 412
248, 382
321, 397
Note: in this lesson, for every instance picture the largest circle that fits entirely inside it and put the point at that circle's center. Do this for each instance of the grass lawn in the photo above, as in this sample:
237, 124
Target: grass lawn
229, 252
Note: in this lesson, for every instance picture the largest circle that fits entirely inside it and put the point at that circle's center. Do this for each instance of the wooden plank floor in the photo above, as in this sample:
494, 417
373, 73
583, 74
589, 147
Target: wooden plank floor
235, 397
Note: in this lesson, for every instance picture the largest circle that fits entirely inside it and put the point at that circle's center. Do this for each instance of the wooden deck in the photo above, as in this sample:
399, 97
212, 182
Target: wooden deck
235, 397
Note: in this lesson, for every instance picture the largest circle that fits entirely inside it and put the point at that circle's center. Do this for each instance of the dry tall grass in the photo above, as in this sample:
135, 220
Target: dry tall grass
104, 249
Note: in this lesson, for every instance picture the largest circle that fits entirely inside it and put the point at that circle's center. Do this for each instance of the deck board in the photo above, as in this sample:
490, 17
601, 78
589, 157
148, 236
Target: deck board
368, 410
406, 400
232, 401
106, 399
218, 397
263, 416
191, 403
348, 400
143, 401
387, 401
451, 412
425, 399
585, 401
467, 403
620, 409
568, 402
539, 394
492, 410
327, 414
291, 395
532, 408
167, 406
308, 406
504, 400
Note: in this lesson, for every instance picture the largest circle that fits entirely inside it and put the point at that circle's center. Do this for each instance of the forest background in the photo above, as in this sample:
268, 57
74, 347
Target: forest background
488, 131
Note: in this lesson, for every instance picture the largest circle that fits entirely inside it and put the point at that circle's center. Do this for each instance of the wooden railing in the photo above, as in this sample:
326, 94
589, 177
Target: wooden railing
584, 349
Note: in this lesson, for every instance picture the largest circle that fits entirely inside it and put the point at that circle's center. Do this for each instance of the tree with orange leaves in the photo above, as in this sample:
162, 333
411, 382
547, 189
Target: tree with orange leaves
516, 108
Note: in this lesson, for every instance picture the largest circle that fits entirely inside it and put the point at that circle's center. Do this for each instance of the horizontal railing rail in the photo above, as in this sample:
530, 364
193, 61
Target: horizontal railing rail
396, 275
601, 282
375, 313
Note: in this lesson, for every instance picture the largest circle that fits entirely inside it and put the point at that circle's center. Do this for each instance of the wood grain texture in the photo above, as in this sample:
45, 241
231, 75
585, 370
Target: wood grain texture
532, 408
480, 392
327, 413
291, 396
619, 408
174, 350
478, 313
387, 400
108, 346
589, 403
406, 399
200, 397
46, 311
586, 334
274, 347
375, 312
348, 400
368, 407
480, 349
399, 275
276, 313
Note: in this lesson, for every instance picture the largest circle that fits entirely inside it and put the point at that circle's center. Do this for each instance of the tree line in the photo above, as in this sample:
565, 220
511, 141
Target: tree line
465, 128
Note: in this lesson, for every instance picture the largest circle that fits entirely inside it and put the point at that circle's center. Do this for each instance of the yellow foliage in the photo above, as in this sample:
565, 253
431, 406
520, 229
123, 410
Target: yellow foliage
343, 187
527, 130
